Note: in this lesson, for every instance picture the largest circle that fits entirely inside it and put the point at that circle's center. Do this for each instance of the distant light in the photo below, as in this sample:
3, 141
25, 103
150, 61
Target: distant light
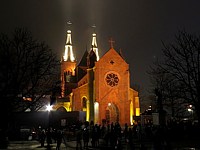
109, 104
189, 109
94, 26
69, 23
49, 108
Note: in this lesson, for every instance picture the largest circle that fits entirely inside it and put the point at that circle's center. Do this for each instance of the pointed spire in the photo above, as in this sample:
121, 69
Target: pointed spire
94, 43
91, 59
69, 55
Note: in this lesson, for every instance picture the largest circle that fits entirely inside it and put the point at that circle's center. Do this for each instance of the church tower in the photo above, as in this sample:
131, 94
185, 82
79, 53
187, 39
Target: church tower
94, 45
68, 64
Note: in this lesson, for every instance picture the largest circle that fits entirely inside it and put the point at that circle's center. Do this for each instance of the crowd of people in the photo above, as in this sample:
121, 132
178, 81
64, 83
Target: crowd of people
88, 134
49, 136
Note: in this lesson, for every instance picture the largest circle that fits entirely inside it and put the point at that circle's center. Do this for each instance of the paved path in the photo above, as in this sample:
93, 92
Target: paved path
71, 145
31, 145
68, 145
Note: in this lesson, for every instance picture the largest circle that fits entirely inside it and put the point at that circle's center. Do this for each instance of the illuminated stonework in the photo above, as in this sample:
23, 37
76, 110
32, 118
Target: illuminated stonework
112, 79
69, 55
102, 90
94, 45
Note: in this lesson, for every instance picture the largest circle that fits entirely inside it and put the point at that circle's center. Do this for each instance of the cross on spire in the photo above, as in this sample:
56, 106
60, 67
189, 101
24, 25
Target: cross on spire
111, 42
69, 23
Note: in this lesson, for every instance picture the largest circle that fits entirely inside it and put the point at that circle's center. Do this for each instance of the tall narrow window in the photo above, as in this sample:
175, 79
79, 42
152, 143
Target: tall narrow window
84, 104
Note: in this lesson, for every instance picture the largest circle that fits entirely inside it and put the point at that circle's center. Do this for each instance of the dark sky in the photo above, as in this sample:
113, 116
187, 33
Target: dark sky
136, 26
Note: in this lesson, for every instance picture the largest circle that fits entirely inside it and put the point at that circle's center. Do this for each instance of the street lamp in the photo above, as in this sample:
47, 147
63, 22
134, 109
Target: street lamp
49, 108
190, 109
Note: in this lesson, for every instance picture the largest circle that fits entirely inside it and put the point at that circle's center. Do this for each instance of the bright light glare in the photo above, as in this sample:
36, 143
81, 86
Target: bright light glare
94, 45
49, 107
68, 48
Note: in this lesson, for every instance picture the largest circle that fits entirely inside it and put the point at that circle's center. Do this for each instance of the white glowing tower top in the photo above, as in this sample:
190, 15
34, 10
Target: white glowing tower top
69, 55
94, 45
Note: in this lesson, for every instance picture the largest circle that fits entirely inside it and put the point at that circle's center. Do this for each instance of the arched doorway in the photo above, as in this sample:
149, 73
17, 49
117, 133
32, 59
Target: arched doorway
61, 109
112, 113
85, 107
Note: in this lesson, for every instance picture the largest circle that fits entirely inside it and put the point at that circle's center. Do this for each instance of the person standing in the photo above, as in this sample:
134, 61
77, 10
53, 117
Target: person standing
42, 138
86, 137
79, 139
49, 136
59, 138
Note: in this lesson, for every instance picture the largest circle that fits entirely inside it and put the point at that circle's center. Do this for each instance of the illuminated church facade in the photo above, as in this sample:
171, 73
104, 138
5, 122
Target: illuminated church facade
98, 86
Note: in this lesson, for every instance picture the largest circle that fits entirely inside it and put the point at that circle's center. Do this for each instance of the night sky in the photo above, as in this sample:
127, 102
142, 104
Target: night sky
136, 26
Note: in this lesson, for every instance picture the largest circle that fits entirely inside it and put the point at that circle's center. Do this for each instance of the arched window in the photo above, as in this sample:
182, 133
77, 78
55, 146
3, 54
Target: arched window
84, 103
67, 76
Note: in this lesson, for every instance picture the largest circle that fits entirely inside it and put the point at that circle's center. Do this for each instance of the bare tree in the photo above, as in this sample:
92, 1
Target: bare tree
29, 70
181, 63
165, 85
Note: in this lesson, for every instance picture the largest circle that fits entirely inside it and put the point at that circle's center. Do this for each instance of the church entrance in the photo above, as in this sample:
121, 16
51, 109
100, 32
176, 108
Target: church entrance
112, 113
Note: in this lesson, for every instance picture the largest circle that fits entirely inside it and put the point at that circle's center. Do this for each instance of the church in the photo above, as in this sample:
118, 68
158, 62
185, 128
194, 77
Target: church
100, 87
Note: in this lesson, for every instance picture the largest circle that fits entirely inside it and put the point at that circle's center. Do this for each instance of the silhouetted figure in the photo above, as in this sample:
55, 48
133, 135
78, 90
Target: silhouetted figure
139, 131
42, 137
86, 137
107, 135
49, 140
58, 139
126, 131
157, 139
112, 136
97, 134
130, 139
93, 136
78, 139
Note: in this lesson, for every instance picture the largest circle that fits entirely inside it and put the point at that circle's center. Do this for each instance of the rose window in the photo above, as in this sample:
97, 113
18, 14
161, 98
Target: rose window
112, 79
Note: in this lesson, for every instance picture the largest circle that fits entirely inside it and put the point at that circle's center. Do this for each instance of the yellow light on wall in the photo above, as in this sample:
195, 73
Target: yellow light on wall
131, 112
137, 111
88, 111
137, 102
96, 112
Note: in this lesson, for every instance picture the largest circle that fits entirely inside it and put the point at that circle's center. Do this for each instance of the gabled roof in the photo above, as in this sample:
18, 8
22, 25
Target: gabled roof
81, 68
83, 61
113, 53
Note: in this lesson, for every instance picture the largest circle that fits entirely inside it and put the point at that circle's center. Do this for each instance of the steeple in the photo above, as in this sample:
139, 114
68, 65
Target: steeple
69, 55
94, 43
